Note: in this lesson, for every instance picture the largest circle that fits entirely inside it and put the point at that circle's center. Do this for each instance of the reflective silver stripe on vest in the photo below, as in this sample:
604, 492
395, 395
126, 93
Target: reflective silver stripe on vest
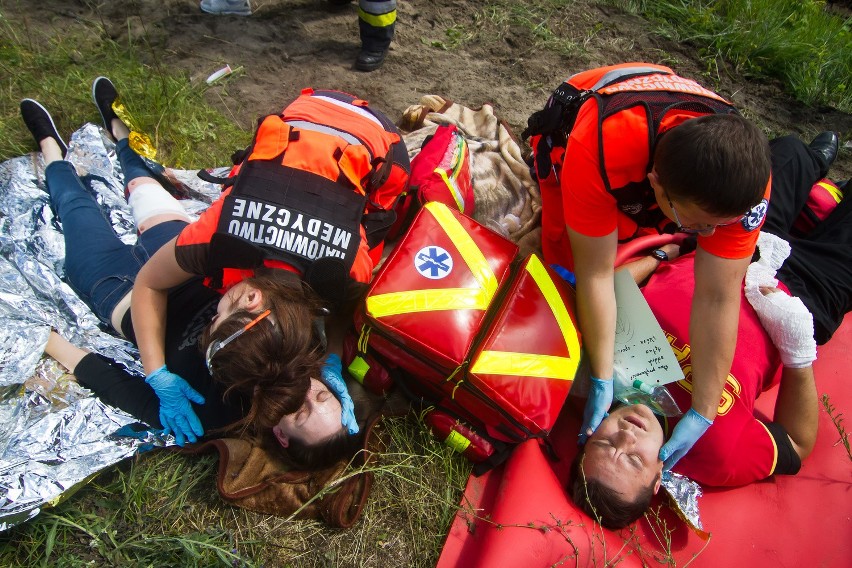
377, 8
350, 107
616, 74
304, 125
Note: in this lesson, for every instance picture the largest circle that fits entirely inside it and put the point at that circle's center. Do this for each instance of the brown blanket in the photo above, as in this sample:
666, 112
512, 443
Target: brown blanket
254, 478
508, 200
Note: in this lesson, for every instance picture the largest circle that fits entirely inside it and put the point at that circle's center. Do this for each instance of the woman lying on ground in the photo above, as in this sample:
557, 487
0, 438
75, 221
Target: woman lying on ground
311, 204
286, 399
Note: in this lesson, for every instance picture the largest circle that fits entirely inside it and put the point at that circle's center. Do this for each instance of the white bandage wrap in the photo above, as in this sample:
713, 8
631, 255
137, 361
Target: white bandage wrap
785, 318
789, 324
151, 199
773, 250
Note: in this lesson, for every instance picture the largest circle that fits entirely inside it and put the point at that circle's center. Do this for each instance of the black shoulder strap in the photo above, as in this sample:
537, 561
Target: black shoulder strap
560, 112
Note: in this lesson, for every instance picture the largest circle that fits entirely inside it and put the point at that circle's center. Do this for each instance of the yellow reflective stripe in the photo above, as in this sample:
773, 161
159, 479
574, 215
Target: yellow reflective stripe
833, 191
451, 185
413, 301
377, 21
451, 181
471, 254
530, 364
524, 365
554, 300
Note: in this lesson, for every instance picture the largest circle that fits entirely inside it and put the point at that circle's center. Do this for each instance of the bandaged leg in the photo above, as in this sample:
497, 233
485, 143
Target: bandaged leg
149, 200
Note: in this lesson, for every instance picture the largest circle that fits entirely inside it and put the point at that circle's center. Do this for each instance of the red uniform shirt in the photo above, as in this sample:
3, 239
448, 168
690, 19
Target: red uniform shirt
738, 448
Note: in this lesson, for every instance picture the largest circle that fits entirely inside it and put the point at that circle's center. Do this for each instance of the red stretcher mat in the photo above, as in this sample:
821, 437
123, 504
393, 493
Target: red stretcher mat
519, 514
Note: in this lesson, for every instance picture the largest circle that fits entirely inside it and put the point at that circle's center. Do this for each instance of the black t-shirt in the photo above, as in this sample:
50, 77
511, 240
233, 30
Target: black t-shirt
191, 306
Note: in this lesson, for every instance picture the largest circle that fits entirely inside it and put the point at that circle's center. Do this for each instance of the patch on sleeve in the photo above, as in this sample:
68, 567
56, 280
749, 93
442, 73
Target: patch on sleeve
755, 215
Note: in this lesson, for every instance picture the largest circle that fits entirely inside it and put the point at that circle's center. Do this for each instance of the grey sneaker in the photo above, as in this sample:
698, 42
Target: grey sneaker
226, 7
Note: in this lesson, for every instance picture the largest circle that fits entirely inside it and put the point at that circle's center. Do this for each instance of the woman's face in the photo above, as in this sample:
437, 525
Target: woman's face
317, 420
228, 304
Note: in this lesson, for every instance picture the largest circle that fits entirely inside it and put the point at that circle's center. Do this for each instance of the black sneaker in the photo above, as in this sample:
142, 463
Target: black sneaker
104, 94
40, 123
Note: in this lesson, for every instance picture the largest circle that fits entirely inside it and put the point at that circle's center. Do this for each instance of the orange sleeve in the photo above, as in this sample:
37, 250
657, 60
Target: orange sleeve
193, 243
587, 207
200, 231
739, 239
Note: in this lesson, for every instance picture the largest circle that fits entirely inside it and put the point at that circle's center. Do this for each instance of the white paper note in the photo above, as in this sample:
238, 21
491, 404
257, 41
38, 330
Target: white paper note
641, 349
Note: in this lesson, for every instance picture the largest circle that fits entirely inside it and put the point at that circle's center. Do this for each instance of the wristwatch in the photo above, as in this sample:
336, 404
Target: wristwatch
660, 255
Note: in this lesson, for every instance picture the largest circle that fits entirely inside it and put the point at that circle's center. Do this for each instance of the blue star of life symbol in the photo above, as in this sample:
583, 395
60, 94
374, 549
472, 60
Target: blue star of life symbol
433, 262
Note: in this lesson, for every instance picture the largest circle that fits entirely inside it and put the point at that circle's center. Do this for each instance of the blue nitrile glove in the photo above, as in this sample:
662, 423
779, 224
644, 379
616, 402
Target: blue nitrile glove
176, 413
332, 376
597, 406
691, 427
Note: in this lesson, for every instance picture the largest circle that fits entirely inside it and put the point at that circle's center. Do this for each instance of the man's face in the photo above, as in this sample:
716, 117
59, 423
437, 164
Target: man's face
689, 217
317, 420
623, 453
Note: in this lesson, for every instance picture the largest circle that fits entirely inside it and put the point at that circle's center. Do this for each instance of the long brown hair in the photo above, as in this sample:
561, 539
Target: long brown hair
272, 363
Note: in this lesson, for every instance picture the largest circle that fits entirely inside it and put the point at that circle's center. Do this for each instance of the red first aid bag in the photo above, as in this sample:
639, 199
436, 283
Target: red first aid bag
440, 172
823, 198
475, 332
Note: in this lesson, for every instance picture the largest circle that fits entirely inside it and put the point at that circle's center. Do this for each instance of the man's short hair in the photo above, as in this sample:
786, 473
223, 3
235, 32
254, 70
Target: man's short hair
602, 503
719, 162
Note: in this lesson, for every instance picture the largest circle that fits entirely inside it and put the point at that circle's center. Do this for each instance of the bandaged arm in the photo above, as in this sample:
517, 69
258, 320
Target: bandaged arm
791, 327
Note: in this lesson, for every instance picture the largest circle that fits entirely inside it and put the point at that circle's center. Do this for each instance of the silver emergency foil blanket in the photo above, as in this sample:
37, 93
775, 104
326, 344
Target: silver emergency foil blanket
55, 434
684, 494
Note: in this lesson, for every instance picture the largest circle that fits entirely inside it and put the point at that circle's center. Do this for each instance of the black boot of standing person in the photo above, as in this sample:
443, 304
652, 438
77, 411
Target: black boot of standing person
376, 20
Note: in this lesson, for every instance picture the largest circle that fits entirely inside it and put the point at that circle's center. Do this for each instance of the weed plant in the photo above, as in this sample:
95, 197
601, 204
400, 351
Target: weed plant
798, 42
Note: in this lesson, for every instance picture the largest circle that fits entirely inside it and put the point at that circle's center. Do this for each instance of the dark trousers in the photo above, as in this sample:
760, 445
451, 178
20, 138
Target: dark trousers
819, 268
376, 21
99, 267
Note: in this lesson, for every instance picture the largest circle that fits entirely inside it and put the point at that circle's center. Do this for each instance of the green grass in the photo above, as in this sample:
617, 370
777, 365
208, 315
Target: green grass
795, 41
162, 509
58, 71
134, 515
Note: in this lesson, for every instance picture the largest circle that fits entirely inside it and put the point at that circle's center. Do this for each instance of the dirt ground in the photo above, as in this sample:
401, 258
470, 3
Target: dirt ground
287, 45
486, 57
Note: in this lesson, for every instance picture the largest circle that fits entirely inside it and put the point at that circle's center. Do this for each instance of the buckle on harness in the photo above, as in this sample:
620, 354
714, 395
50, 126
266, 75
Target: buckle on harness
568, 94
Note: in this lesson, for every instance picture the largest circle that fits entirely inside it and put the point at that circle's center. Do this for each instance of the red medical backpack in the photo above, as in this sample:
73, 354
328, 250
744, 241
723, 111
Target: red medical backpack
473, 331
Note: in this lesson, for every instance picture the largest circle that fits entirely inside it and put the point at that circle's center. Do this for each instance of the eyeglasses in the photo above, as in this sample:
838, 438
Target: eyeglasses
697, 229
217, 345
